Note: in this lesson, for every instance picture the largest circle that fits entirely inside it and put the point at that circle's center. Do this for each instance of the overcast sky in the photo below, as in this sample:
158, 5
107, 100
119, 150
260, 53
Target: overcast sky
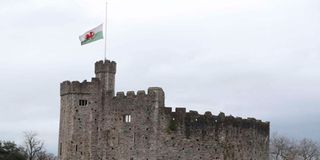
248, 58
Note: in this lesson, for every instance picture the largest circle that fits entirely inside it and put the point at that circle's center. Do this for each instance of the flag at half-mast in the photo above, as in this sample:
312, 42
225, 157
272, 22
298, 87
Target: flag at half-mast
92, 35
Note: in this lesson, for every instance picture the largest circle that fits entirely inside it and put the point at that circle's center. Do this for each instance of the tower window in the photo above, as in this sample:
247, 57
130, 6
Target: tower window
127, 118
83, 102
60, 149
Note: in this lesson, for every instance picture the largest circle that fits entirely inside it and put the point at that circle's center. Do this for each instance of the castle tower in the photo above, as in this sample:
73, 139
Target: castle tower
81, 105
105, 71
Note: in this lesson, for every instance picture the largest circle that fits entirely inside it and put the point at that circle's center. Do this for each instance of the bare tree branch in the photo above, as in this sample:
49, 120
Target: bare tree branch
308, 149
282, 148
32, 145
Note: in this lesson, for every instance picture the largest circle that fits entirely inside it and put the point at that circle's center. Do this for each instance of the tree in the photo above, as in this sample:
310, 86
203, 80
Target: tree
32, 145
10, 151
43, 155
291, 151
282, 148
278, 146
51, 156
32, 149
308, 149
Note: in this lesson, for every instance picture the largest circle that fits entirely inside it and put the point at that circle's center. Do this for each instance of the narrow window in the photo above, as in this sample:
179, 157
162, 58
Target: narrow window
60, 149
83, 102
127, 118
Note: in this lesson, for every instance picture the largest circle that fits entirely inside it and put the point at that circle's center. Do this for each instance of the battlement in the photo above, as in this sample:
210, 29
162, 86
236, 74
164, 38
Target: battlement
181, 116
76, 87
130, 94
154, 93
105, 67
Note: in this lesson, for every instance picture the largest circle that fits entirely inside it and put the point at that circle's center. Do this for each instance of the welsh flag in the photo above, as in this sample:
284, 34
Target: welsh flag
92, 35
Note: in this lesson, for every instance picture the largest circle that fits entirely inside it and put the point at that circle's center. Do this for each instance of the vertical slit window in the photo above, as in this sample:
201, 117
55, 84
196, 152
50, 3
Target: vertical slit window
60, 149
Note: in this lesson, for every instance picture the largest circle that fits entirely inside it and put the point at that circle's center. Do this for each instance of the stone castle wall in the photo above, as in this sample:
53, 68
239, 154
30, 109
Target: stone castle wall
100, 130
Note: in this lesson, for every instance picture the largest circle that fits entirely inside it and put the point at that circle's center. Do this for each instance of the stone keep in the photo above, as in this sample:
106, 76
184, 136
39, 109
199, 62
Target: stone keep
97, 124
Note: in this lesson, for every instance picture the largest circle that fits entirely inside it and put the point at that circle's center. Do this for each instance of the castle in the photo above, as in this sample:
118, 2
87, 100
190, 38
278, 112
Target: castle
98, 124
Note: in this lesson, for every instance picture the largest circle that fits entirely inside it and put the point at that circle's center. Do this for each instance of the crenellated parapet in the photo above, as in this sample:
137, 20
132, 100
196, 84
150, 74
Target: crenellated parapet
130, 94
262, 127
154, 94
193, 118
76, 87
105, 67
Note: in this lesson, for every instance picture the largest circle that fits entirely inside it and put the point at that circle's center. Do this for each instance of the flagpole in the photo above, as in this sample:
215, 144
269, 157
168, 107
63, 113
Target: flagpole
105, 32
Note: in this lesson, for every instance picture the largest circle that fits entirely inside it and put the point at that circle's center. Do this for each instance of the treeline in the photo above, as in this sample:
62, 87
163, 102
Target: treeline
32, 149
283, 148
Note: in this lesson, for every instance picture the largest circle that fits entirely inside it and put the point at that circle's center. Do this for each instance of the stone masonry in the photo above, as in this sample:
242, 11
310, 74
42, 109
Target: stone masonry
98, 124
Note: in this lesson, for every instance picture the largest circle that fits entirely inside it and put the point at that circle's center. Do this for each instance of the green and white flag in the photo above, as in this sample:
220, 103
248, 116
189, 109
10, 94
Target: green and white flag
92, 35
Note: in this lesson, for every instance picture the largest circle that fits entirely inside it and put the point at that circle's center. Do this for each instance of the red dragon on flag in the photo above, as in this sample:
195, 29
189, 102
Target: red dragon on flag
92, 35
